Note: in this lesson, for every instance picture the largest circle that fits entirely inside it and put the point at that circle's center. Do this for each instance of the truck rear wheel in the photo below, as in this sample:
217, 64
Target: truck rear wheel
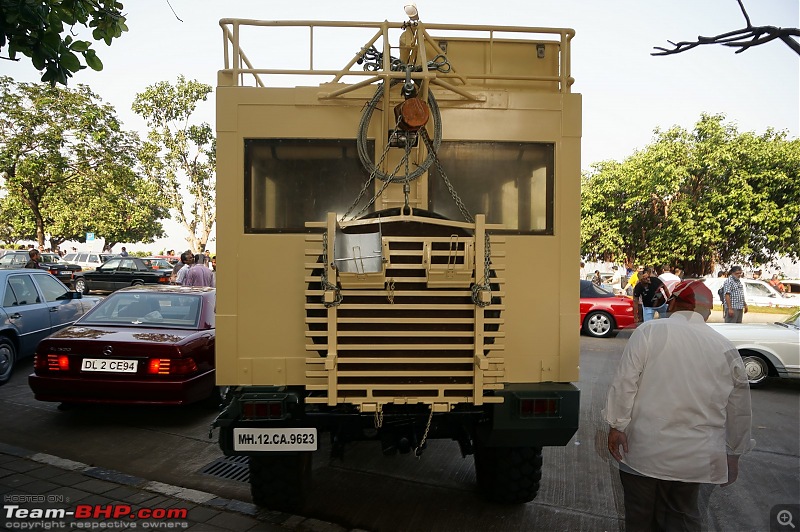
280, 481
508, 475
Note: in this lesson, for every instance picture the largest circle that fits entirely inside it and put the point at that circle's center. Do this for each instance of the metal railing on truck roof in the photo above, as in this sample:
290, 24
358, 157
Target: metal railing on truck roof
497, 62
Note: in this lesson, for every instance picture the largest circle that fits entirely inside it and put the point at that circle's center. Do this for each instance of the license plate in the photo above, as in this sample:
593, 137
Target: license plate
109, 365
295, 439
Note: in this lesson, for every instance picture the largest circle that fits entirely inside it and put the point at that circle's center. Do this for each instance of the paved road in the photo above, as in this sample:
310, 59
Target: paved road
580, 486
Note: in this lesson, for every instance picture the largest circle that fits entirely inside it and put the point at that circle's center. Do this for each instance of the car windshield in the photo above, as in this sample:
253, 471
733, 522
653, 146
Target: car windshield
158, 264
793, 320
47, 257
139, 309
588, 289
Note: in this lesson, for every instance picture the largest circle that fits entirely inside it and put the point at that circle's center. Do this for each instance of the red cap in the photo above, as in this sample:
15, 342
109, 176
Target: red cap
693, 292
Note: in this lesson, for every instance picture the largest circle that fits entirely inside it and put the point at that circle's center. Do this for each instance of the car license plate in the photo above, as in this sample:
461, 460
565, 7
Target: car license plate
109, 365
294, 439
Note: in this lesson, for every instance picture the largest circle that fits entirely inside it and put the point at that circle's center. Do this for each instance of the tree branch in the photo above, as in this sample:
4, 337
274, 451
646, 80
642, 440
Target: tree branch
742, 39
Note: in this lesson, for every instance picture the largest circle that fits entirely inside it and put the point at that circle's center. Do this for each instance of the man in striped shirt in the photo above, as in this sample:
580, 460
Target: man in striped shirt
733, 304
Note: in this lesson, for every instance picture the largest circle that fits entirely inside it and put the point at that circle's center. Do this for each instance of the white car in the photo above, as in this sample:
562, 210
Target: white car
792, 286
767, 349
87, 260
756, 293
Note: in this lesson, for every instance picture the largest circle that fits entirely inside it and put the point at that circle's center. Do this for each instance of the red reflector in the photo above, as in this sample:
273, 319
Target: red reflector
262, 410
63, 362
539, 407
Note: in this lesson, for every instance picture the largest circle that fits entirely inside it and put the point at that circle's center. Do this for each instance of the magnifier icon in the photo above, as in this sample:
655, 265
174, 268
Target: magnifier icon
785, 518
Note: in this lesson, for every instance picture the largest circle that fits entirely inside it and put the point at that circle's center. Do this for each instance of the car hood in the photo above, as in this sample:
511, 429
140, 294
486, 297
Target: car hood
751, 331
132, 335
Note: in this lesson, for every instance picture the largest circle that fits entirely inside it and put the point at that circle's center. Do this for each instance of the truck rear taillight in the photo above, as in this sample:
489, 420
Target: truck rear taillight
539, 407
51, 362
171, 366
262, 409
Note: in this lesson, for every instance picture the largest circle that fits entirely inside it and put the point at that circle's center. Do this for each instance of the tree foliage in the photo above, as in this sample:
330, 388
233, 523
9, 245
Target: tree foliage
178, 149
695, 199
68, 168
36, 29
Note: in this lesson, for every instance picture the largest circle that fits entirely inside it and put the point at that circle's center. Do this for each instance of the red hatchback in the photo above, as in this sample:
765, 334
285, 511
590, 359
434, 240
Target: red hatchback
602, 311
140, 345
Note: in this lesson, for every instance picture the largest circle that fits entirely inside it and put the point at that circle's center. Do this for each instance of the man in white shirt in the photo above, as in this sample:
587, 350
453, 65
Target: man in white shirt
679, 414
669, 279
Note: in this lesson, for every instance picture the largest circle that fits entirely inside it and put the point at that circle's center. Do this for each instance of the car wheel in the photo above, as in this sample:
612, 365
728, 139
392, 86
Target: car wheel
80, 286
598, 324
137, 283
280, 482
756, 369
508, 475
8, 354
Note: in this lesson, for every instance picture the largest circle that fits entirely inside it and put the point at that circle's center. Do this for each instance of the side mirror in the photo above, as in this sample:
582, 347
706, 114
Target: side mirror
76, 295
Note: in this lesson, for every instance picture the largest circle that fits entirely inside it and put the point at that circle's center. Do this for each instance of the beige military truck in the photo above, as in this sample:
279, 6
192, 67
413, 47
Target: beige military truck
397, 240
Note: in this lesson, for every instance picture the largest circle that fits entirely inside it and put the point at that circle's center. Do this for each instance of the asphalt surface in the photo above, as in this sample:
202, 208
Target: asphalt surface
39, 490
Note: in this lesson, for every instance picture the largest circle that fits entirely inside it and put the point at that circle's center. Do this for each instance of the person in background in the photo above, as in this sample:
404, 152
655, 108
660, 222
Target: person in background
632, 280
679, 414
669, 278
176, 269
582, 272
197, 274
124, 252
734, 306
597, 280
776, 283
33, 261
652, 293
757, 275
187, 260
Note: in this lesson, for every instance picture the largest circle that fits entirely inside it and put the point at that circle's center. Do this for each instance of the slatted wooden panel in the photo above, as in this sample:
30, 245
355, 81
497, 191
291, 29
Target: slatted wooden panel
408, 344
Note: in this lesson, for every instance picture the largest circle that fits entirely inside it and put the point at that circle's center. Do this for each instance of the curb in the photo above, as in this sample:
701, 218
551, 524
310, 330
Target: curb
279, 519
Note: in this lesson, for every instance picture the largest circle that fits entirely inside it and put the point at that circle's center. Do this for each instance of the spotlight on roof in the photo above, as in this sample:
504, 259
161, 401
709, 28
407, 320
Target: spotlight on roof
411, 11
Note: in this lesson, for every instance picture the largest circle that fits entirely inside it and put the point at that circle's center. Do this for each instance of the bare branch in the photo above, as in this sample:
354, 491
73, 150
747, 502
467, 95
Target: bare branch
744, 12
742, 39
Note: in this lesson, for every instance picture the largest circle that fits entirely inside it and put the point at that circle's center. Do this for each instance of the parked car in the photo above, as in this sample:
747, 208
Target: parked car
157, 263
767, 349
792, 286
602, 311
86, 259
756, 293
140, 345
63, 271
35, 304
119, 272
172, 259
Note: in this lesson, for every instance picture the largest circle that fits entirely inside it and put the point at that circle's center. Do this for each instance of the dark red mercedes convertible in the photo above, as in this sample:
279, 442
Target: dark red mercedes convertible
140, 345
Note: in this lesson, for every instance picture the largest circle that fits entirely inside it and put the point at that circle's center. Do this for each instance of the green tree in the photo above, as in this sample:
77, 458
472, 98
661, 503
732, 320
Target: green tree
65, 158
36, 29
180, 150
695, 199
15, 221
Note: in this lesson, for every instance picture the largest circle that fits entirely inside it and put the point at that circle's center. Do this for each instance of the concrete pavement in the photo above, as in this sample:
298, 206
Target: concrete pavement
45, 492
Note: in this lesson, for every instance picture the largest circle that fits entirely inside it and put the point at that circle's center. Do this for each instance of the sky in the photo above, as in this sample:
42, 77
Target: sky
627, 93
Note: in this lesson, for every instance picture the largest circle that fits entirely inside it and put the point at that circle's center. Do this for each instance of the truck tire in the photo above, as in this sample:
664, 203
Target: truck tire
508, 475
280, 481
